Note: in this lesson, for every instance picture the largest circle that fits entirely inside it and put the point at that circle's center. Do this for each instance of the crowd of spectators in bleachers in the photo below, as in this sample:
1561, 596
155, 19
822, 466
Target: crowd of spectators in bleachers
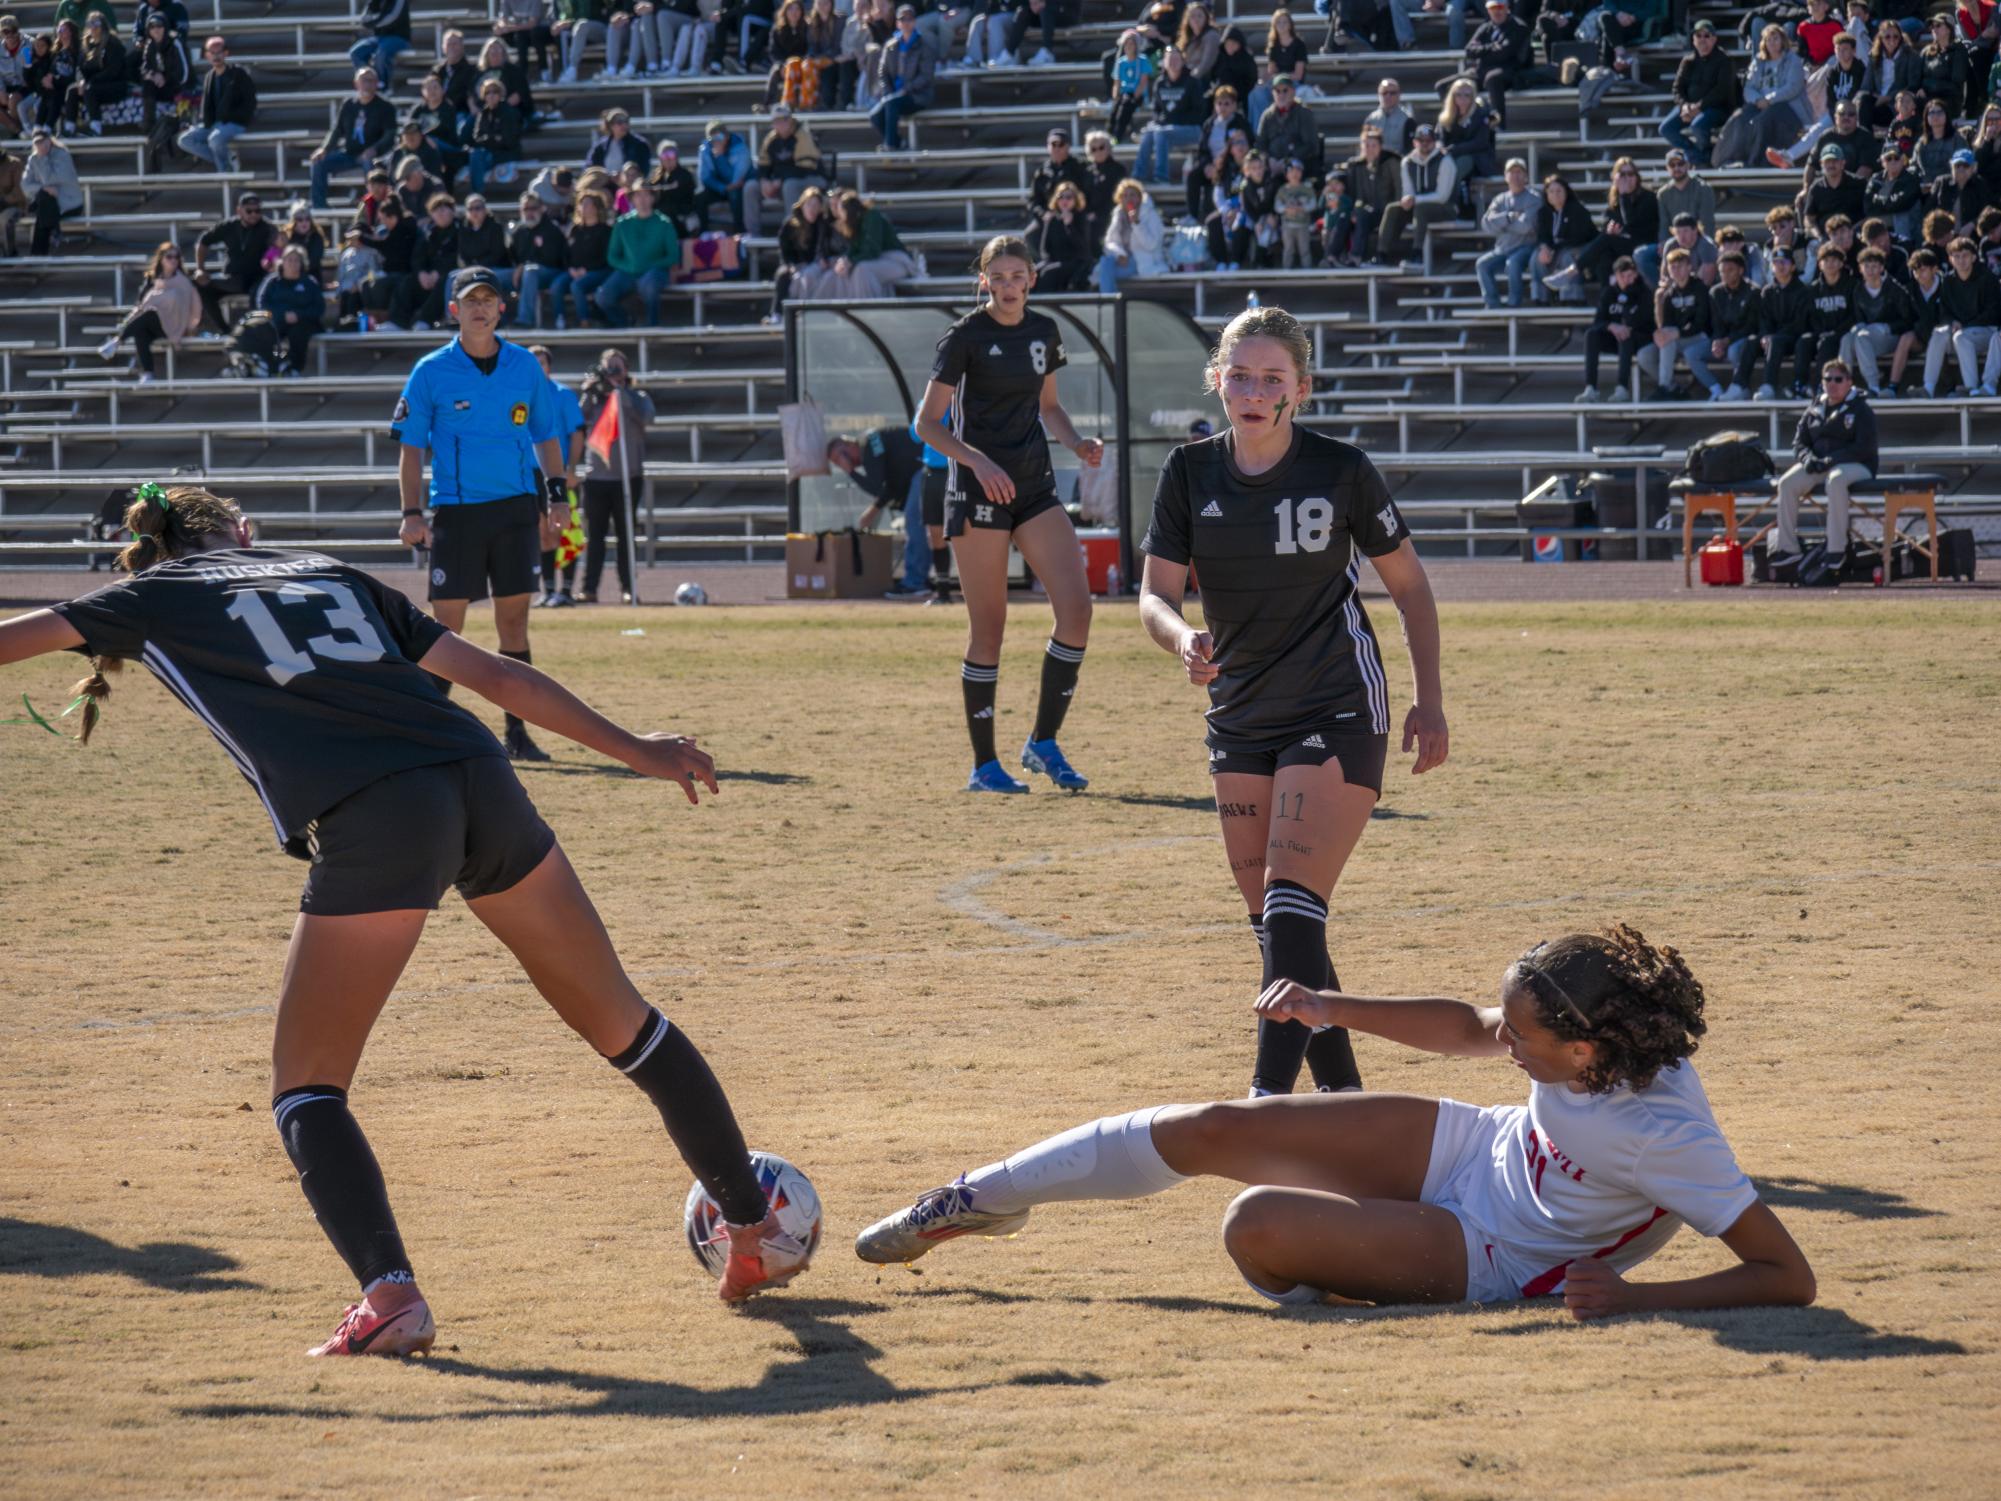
1893, 122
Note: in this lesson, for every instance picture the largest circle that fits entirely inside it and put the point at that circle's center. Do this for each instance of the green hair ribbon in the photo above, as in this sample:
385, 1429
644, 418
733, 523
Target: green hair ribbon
152, 492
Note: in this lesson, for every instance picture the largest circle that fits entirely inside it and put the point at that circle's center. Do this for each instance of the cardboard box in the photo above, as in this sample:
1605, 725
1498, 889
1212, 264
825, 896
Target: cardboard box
839, 565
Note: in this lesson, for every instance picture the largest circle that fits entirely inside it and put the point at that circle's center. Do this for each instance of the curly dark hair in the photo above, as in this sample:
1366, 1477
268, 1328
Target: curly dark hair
1637, 1005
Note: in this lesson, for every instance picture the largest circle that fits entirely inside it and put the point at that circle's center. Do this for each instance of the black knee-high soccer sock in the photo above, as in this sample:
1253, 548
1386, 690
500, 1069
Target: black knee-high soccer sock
1330, 1056
342, 1181
1295, 949
982, 686
675, 1076
1060, 665
524, 655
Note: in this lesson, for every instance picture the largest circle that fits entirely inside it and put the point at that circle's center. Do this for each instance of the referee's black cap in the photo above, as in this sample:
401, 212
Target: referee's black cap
475, 276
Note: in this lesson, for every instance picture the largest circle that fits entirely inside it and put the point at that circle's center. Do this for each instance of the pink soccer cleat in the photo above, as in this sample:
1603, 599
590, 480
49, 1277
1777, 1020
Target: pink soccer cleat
389, 1321
747, 1272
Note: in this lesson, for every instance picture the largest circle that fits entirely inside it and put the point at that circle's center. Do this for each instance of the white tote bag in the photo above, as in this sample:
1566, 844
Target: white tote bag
804, 430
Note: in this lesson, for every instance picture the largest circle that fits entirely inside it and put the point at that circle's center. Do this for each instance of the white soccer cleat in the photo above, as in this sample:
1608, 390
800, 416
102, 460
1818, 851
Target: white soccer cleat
940, 1215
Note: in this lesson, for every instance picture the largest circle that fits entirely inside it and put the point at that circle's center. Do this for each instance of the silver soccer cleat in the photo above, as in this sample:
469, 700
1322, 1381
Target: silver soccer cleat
940, 1215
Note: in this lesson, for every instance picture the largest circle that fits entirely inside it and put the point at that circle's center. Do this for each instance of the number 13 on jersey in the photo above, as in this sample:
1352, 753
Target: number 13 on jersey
284, 661
1304, 525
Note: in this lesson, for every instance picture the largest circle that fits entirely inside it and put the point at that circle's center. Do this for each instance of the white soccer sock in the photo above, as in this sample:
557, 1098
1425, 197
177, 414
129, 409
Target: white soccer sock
1110, 1158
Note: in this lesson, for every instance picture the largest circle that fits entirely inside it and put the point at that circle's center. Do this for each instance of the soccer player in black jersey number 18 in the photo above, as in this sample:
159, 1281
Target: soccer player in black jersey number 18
996, 375
318, 683
1273, 520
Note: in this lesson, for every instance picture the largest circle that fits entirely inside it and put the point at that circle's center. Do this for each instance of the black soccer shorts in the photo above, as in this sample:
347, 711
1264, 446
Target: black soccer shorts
1360, 752
490, 547
936, 482
404, 841
965, 510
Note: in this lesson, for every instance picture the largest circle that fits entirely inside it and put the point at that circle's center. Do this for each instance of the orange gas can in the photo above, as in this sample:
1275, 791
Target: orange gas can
1723, 561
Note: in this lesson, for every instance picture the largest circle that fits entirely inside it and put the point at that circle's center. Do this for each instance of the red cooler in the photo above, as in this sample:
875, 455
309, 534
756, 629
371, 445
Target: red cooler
1722, 561
1101, 555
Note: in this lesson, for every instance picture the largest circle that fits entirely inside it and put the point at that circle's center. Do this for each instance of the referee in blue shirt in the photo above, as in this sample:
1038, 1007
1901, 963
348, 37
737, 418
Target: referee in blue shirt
488, 417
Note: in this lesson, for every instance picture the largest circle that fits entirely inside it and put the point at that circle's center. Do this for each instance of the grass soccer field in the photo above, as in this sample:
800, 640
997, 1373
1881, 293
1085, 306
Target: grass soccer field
898, 982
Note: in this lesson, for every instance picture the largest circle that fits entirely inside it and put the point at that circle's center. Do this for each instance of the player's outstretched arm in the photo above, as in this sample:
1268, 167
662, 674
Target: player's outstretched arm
1430, 1024
1771, 1271
538, 698
35, 634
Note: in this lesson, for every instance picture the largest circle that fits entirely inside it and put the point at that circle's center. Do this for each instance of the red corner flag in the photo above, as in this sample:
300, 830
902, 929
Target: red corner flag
604, 432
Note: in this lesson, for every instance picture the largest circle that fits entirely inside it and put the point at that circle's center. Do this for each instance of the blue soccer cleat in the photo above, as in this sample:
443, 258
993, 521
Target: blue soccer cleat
990, 777
1046, 757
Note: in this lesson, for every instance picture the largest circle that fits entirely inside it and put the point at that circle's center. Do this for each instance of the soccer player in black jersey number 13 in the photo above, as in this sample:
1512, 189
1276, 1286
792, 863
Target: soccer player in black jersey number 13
1273, 520
996, 373
317, 681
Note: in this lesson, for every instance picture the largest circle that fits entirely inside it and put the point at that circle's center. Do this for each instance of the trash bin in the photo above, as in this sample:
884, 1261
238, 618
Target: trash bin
1555, 509
1611, 494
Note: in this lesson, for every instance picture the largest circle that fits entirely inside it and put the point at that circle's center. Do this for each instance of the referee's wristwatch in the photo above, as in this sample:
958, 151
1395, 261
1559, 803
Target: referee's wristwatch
555, 492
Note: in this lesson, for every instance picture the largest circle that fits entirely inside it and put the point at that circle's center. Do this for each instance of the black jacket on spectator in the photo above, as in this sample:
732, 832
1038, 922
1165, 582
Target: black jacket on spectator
539, 244
1100, 180
1181, 101
1844, 433
634, 148
106, 65
1735, 313
1785, 308
1684, 308
1632, 306
416, 200
362, 127
484, 245
305, 297
1290, 133
438, 251
440, 125
1071, 244
799, 243
1825, 199
674, 194
243, 249
1042, 186
1963, 201
1886, 197
1639, 212
498, 131
229, 97
458, 79
1889, 304
315, 245
175, 13
1942, 75
386, 18
1831, 306
1374, 188
1507, 45
589, 248
1572, 232
398, 247
1707, 82
1927, 313
1860, 146
169, 58
1239, 71
1973, 301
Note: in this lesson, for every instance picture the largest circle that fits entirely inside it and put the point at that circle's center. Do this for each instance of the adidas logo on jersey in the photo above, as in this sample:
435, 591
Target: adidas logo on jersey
1314, 742
994, 349
1212, 509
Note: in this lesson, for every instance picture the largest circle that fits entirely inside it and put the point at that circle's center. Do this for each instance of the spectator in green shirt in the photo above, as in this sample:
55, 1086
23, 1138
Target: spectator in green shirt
644, 254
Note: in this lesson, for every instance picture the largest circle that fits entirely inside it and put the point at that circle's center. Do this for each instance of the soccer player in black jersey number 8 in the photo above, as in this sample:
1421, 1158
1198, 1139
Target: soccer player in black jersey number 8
317, 681
996, 372
1272, 519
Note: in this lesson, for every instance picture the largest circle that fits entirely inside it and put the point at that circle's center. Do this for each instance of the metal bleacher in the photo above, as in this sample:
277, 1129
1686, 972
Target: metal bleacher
1466, 410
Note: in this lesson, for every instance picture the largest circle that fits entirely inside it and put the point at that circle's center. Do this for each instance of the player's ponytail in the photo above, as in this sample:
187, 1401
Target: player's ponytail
91, 692
1637, 1005
166, 522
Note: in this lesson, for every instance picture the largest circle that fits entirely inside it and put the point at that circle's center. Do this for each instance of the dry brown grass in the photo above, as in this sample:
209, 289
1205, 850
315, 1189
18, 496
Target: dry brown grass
898, 982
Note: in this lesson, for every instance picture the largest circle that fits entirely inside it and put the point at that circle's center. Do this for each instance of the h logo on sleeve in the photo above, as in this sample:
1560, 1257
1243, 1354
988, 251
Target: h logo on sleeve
1387, 518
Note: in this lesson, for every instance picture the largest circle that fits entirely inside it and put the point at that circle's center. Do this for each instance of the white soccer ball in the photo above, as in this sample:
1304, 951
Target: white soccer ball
796, 1203
691, 594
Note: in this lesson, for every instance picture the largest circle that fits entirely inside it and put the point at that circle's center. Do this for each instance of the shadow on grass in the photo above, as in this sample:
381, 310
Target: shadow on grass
1817, 1333
28, 1249
835, 1370
1841, 1198
1160, 800
610, 769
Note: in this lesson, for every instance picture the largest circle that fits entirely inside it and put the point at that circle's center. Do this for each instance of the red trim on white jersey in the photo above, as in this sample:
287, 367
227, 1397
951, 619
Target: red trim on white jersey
1546, 1283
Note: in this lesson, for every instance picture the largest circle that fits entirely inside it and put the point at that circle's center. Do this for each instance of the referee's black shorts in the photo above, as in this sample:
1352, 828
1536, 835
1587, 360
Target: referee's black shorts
486, 547
402, 842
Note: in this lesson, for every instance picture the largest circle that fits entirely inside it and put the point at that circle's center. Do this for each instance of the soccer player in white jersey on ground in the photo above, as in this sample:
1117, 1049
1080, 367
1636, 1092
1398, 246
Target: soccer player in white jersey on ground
1274, 520
996, 375
322, 686
1400, 1199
